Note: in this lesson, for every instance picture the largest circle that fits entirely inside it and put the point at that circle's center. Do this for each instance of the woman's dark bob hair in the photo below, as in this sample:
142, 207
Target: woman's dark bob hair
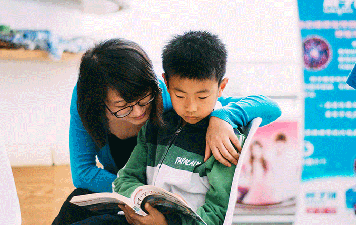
123, 66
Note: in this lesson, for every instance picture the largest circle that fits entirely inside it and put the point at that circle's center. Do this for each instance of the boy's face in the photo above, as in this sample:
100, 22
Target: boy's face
193, 100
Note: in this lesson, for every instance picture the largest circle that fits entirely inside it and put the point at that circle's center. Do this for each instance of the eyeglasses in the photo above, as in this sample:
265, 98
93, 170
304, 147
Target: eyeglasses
127, 110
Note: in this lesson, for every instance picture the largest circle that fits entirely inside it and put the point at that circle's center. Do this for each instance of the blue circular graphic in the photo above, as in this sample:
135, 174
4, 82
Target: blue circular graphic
316, 53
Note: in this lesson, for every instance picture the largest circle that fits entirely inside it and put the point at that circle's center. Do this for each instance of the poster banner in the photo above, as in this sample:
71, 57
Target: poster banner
270, 175
328, 188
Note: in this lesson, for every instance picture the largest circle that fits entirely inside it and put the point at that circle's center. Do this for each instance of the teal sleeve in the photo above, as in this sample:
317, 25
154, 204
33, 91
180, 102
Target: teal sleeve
167, 103
133, 174
82, 151
240, 111
237, 111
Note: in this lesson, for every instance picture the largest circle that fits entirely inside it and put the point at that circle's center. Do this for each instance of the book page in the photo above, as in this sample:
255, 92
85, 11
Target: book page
141, 192
105, 197
164, 201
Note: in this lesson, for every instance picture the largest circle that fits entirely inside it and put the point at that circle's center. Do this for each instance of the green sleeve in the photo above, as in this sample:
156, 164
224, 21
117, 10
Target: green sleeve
217, 198
133, 174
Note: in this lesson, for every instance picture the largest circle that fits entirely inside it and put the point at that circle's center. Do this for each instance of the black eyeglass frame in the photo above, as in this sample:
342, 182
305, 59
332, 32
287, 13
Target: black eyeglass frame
130, 106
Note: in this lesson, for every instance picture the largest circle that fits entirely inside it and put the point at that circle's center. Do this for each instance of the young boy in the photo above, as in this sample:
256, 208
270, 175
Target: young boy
172, 157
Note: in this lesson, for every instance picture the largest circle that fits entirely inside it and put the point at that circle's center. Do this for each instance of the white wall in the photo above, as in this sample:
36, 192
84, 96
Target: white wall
262, 38
35, 100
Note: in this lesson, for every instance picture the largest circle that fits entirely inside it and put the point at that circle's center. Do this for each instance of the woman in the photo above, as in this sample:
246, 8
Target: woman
117, 91
260, 192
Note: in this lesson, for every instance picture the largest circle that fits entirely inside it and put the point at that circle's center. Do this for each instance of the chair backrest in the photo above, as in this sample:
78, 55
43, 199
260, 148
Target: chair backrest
9, 208
249, 131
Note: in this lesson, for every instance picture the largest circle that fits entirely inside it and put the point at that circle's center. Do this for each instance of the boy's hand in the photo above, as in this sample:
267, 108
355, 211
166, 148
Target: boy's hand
154, 217
220, 138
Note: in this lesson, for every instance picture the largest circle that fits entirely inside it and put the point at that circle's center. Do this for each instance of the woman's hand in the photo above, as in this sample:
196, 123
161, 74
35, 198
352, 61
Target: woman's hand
220, 138
154, 217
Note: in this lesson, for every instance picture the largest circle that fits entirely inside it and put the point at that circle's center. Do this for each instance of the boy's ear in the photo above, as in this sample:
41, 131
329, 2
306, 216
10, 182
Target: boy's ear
222, 86
164, 78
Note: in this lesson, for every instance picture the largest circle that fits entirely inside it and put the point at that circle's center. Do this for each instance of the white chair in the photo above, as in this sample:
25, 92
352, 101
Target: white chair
249, 131
10, 213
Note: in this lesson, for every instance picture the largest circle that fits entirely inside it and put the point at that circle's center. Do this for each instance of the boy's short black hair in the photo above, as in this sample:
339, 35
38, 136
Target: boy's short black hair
195, 55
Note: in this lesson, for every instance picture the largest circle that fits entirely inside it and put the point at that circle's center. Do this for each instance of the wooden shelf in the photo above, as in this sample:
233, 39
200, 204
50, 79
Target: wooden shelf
35, 55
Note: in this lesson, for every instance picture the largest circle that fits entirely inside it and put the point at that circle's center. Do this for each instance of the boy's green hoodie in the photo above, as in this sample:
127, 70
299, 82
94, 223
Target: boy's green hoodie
172, 158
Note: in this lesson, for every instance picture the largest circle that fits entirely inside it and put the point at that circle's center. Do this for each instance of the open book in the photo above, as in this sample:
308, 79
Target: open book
159, 198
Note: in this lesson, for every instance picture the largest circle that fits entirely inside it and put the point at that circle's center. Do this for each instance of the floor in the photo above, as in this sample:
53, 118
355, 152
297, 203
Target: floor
42, 191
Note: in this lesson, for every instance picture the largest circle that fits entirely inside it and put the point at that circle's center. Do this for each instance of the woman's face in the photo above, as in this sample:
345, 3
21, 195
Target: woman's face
139, 114
280, 147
